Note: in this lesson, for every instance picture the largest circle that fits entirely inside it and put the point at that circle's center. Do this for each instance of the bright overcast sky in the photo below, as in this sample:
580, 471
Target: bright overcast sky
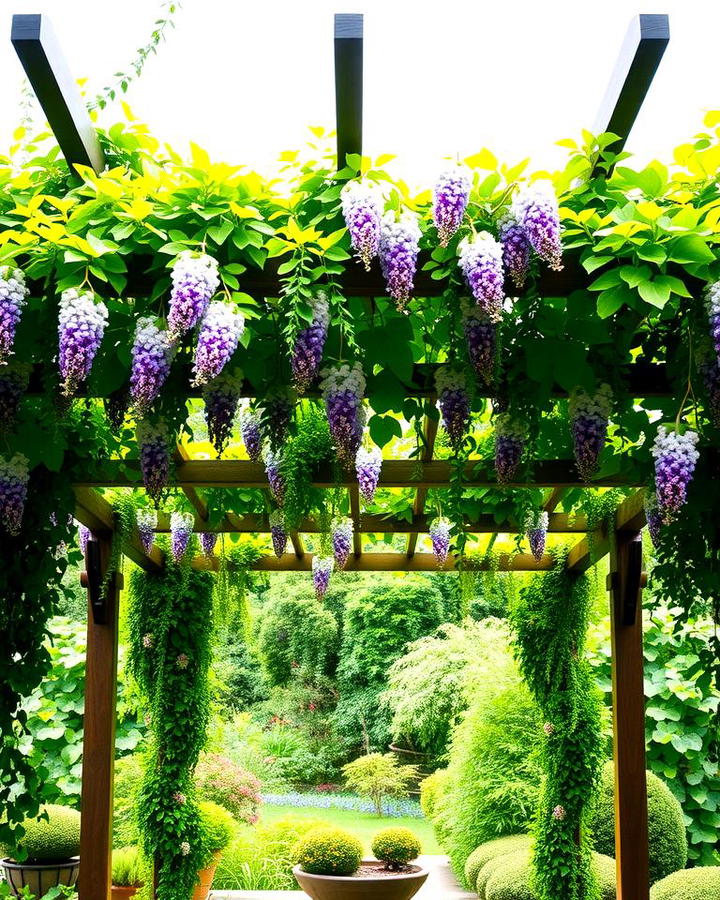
244, 79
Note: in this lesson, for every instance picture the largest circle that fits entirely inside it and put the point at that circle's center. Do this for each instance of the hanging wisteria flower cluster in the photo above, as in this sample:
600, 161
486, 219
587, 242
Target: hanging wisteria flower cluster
362, 210
322, 567
13, 381
454, 403
536, 526
482, 265
220, 331
84, 535
510, 437
152, 355
14, 476
399, 247
589, 415
368, 465
181, 529
195, 280
274, 476
440, 538
208, 539
676, 455
653, 518
535, 209
81, 325
342, 534
146, 519
277, 532
222, 398
343, 387
481, 339
515, 250
153, 443
309, 345
275, 417
13, 294
710, 370
251, 434
712, 303
450, 200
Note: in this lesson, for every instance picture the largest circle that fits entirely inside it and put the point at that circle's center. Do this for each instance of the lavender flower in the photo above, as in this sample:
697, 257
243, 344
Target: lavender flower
589, 414
440, 538
342, 535
153, 440
536, 526
481, 339
84, 535
361, 207
208, 539
81, 325
276, 416
13, 294
309, 345
712, 304
451, 196
195, 280
676, 456
368, 465
482, 265
653, 519
510, 436
399, 246
251, 434
275, 476
14, 476
220, 331
536, 211
146, 520
181, 529
13, 381
454, 402
515, 250
222, 397
277, 532
152, 354
321, 571
343, 387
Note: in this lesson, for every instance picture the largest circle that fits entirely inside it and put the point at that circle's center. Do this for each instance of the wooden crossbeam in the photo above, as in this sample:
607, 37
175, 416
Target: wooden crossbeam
430, 428
195, 499
630, 516
354, 492
34, 40
554, 499
348, 84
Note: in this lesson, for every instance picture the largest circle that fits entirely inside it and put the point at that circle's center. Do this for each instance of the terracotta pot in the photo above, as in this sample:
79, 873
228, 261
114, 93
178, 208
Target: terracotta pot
123, 892
402, 886
40, 877
202, 890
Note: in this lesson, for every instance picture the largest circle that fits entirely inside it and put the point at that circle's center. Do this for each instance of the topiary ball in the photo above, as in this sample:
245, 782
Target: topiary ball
396, 846
689, 884
490, 850
329, 851
666, 826
54, 839
510, 877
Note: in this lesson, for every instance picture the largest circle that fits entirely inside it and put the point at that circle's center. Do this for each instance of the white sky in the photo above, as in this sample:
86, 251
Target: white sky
244, 79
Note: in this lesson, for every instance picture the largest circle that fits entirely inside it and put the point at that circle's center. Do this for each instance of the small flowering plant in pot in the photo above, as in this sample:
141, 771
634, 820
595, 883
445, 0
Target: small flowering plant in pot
330, 866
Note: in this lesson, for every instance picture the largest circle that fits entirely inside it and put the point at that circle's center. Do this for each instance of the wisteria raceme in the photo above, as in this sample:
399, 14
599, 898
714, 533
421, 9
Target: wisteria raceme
309, 345
450, 200
146, 520
153, 442
343, 387
277, 532
84, 535
536, 210
589, 415
515, 250
13, 294
181, 529
342, 535
653, 519
536, 526
712, 302
195, 280
676, 456
220, 331
275, 476
116, 407
13, 381
152, 354
481, 262
710, 371
510, 436
322, 567
276, 416
208, 539
399, 246
14, 475
251, 434
440, 538
81, 325
362, 210
368, 465
454, 403
222, 398
481, 338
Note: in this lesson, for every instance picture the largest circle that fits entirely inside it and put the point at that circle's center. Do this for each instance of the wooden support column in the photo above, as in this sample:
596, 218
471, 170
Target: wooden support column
348, 84
625, 582
99, 722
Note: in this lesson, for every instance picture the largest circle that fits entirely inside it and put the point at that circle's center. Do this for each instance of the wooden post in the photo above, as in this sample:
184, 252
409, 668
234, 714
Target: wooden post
625, 583
348, 84
99, 728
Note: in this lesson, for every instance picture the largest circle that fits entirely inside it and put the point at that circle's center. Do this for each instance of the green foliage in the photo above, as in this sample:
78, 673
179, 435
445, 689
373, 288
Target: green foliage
492, 850
127, 869
378, 776
690, 884
53, 837
238, 791
329, 851
396, 847
238, 669
550, 624
217, 829
128, 778
309, 447
666, 828
511, 877
431, 789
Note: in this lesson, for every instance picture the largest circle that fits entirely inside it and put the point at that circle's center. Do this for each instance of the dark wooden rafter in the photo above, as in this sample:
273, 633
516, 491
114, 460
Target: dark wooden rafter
355, 515
194, 497
554, 500
34, 40
430, 429
348, 84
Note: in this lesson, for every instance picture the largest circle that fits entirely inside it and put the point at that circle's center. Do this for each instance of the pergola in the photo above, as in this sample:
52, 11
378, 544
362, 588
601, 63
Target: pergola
639, 58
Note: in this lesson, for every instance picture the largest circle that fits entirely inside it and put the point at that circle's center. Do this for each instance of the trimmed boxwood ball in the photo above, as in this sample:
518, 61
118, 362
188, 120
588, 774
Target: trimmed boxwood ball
329, 851
491, 850
217, 828
666, 827
689, 884
54, 839
396, 847
510, 877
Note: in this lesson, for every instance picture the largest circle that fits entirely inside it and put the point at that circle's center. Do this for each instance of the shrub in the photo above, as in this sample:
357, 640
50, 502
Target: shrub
431, 789
378, 775
51, 839
329, 851
689, 884
217, 828
126, 867
128, 776
510, 877
491, 850
220, 780
396, 847
666, 826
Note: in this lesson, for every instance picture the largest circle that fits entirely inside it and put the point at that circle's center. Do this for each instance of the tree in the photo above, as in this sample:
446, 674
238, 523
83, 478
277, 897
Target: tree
378, 776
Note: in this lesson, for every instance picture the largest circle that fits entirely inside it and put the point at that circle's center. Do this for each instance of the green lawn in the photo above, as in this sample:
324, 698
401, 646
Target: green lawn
364, 825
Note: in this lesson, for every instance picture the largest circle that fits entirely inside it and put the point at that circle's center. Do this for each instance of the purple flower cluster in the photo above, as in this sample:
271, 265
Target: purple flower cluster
251, 434
653, 518
146, 520
220, 332
481, 339
342, 535
81, 325
535, 209
450, 200
84, 535
277, 532
195, 280
222, 397
399, 246
322, 567
208, 539
181, 529
515, 250
153, 442
536, 526
275, 476
712, 303
361, 207
309, 345
368, 465
454, 403
14, 475
152, 355
676, 456
440, 538
589, 415
343, 387
276, 416
510, 436
709, 369
481, 261
13, 294
116, 407
13, 381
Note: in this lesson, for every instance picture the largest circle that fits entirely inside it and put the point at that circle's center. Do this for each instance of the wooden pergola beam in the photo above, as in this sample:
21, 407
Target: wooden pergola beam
629, 517
348, 84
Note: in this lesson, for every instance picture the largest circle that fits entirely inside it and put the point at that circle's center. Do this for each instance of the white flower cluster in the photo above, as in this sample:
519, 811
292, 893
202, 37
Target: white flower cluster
12, 285
403, 231
323, 565
450, 378
712, 298
147, 518
13, 292
539, 193
681, 447
80, 314
480, 247
509, 425
200, 267
321, 309
537, 520
356, 193
343, 377
151, 339
597, 405
343, 526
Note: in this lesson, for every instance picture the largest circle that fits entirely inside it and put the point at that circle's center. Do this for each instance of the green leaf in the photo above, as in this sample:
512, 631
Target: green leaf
690, 248
612, 300
606, 280
383, 429
220, 232
656, 293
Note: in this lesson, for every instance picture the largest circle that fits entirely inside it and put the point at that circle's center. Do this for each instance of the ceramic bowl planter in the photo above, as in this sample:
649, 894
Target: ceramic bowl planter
39, 876
372, 882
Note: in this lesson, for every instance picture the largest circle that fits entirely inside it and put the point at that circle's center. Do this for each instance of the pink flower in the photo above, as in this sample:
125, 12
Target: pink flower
183, 661
148, 641
559, 813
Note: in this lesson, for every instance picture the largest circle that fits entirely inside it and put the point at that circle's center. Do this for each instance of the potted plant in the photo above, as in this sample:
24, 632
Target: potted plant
217, 829
330, 866
47, 852
126, 873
